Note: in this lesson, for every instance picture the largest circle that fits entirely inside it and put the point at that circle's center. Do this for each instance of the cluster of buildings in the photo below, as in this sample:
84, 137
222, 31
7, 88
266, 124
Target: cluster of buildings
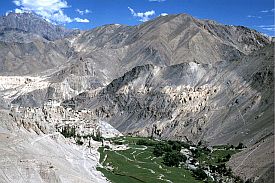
53, 117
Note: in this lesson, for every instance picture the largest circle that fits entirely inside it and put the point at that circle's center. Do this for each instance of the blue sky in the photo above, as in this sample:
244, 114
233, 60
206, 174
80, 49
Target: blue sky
87, 14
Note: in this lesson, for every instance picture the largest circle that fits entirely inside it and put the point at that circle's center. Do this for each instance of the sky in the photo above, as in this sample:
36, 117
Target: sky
88, 14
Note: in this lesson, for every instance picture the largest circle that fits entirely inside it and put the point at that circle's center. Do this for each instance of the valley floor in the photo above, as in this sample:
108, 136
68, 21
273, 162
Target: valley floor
129, 162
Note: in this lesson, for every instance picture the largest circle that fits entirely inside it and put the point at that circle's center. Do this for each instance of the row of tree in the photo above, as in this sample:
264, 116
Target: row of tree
68, 132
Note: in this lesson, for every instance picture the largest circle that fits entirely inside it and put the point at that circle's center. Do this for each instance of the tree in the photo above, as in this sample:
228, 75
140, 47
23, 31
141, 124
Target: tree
248, 181
161, 148
221, 169
200, 174
175, 145
185, 145
227, 157
240, 146
98, 136
199, 143
145, 142
173, 158
196, 153
68, 131
79, 142
118, 142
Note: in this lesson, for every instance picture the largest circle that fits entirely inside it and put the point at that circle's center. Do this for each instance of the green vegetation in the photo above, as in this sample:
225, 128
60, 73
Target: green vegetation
139, 164
149, 160
240, 146
216, 157
200, 174
161, 148
173, 158
146, 142
79, 142
70, 132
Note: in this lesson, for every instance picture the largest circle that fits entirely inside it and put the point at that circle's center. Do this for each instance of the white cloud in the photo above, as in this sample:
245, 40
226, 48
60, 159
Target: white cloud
81, 20
17, 3
267, 11
157, 0
143, 16
264, 11
82, 12
267, 27
253, 16
18, 10
163, 14
8, 12
50, 10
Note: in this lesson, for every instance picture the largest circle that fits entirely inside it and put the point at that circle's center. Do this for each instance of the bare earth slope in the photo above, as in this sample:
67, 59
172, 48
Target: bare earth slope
29, 155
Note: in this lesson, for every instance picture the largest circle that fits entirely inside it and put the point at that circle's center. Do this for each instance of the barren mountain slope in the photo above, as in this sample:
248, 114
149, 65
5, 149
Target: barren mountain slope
164, 41
98, 56
226, 102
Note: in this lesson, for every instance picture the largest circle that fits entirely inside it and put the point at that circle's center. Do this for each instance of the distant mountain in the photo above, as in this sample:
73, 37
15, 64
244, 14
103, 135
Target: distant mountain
163, 41
21, 27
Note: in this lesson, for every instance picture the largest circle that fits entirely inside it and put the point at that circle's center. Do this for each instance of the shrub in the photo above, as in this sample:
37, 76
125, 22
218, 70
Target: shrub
206, 150
229, 147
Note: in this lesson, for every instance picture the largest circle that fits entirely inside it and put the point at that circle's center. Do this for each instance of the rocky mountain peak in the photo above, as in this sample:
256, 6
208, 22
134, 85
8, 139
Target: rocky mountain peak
31, 23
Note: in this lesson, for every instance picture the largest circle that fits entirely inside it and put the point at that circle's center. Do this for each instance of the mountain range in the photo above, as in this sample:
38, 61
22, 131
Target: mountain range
174, 77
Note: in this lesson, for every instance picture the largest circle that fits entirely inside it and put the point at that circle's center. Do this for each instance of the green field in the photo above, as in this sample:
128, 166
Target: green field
138, 164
